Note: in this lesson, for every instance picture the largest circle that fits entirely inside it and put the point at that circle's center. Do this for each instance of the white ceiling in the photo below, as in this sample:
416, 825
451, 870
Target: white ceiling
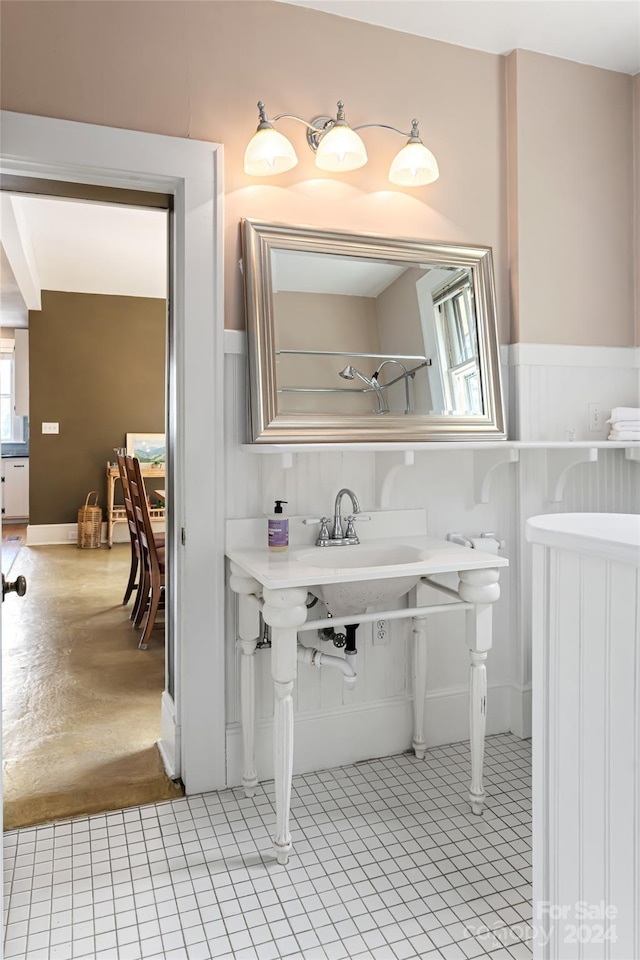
296, 271
85, 247
604, 33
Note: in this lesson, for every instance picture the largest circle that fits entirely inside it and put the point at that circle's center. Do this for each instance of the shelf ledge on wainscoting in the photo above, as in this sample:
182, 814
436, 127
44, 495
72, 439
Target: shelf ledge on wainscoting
430, 446
373, 447
562, 456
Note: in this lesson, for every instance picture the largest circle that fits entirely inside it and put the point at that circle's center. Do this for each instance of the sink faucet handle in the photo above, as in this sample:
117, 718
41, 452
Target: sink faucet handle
351, 520
323, 536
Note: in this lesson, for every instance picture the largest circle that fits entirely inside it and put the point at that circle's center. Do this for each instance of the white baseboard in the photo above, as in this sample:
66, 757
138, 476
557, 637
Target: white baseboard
333, 738
520, 709
44, 534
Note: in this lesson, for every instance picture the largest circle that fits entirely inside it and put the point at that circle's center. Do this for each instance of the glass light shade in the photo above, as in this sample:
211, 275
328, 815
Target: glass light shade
268, 152
341, 149
414, 166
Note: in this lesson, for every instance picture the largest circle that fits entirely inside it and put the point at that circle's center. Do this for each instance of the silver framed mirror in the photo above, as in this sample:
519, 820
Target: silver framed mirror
364, 338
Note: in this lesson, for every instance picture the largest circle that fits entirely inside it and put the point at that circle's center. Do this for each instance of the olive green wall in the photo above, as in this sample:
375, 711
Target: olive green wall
96, 367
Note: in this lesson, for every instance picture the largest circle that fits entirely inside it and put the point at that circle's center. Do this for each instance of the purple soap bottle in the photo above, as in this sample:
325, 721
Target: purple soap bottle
278, 529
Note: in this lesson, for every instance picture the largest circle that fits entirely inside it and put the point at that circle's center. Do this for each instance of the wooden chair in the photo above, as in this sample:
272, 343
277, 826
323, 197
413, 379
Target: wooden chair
133, 533
152, 556
135, 544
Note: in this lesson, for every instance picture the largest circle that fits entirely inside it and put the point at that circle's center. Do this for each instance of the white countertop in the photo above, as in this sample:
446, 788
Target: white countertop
282, 570
613, 536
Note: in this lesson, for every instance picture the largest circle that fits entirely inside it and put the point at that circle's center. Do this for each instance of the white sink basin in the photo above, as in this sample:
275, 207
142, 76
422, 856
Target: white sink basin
349, 558
355, 596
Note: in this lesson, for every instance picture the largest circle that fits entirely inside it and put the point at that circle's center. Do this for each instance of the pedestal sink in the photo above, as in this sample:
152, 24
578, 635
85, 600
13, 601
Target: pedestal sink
356, 596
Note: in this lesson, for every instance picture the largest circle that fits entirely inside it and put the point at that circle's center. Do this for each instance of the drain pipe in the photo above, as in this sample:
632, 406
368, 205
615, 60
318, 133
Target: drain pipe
350, 646
319, 659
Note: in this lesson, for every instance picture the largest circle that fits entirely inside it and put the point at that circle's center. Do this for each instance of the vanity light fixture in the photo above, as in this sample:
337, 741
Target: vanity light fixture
338, 148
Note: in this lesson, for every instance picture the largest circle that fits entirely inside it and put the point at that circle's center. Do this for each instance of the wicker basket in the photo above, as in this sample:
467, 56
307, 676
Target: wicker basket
90, 524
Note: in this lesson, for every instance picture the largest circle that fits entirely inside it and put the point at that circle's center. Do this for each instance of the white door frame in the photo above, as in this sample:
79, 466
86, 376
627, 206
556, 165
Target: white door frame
193, 721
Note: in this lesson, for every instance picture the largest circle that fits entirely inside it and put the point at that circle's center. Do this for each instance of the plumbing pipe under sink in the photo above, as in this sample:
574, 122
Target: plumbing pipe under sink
319, 659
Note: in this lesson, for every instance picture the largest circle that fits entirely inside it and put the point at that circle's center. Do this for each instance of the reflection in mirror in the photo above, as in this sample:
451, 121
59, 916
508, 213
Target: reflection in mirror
357, 337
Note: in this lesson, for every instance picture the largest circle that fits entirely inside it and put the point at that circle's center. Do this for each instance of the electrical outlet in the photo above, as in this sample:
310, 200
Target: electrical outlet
380, 632
595, 417
51, 428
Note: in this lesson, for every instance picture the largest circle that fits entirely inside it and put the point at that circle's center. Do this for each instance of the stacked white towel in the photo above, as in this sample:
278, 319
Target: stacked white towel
625, 423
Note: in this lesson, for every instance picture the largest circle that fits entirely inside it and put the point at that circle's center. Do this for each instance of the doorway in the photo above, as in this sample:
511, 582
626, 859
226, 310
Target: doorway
193, 725
97, 343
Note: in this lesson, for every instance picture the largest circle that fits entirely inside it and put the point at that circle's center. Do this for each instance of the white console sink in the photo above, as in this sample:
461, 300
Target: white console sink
355, 596
394, 553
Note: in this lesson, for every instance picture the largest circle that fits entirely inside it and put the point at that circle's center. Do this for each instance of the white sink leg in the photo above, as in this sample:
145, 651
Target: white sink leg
248, 708
477, 723
419, 629
248, 634
481, 588
284, 611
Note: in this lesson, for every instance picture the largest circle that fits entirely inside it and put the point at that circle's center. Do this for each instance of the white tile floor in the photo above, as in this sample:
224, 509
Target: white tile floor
388, 863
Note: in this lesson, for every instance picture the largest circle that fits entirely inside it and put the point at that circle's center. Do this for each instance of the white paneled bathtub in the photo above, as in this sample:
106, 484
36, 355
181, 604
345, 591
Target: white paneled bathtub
586, 735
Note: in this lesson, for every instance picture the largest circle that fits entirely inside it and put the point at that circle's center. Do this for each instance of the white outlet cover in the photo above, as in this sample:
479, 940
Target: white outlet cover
51, 428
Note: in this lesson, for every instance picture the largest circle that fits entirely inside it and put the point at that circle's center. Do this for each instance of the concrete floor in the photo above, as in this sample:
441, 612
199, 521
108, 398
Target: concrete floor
81, 703
14, 537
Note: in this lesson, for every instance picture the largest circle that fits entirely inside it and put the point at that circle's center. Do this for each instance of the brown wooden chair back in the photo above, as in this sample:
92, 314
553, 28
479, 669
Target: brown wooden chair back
141, 512
126, 493
152, 563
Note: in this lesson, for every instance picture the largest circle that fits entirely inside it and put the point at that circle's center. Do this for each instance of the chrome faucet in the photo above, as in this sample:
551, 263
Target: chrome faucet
339, 537
336, 533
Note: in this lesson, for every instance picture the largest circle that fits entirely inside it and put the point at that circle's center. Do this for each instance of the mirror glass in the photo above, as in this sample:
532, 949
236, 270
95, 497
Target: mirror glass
356, 335
361, 337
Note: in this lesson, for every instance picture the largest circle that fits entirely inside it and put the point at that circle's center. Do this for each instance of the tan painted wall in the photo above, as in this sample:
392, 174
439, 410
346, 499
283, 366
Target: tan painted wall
636, 170
401, 331
321, 321
511, 77
573, 194
97, 367
197, 69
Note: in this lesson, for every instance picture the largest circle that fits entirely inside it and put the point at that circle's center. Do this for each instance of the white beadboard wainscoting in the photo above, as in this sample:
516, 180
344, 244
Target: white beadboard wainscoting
586, 749
552, 385
336, 726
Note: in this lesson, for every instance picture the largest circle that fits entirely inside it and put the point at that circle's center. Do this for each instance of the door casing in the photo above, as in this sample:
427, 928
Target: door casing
193, 717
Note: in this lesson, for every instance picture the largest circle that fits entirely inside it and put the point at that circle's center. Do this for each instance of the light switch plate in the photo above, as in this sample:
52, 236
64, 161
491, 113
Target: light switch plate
51, 428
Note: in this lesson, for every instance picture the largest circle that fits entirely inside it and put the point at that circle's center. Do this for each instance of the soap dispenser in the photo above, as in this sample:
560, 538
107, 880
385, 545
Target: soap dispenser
278, 529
